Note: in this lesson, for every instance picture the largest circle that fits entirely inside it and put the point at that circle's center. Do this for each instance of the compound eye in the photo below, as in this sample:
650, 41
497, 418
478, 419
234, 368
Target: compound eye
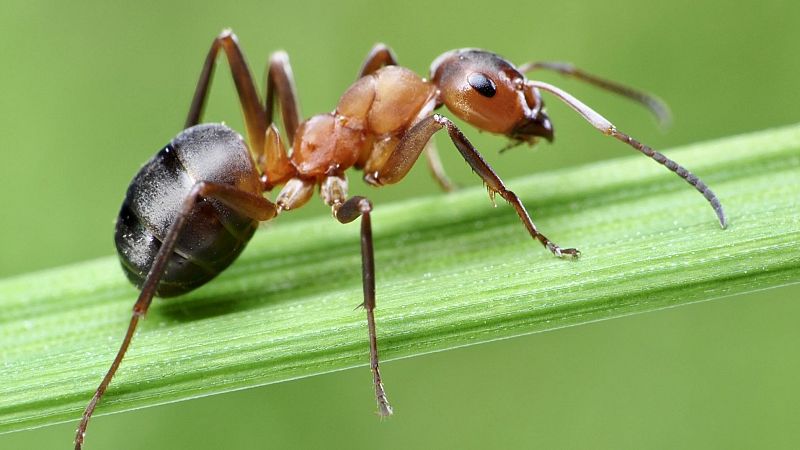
483, 84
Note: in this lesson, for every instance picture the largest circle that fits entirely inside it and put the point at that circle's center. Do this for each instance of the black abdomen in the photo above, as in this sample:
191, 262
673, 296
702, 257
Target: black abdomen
214, 234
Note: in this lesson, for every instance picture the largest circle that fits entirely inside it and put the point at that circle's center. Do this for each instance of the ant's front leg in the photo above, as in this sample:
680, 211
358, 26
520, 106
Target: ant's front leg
380, 56
437, 169
334, 193
410, 146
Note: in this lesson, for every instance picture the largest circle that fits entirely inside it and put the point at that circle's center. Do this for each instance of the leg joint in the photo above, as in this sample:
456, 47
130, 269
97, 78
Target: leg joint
278, 57
364, 205
227, 34
352, 209
442, 121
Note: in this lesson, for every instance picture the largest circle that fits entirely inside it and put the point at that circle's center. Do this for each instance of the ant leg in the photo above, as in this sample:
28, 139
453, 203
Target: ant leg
254, 116
280, 81
348, 212
436, 169
274, 163
380, 55
412, 143
607, 128
656, 106
251, 205
334, 193
294, 194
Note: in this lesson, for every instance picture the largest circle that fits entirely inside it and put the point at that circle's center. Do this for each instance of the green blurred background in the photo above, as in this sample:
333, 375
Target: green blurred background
90, 90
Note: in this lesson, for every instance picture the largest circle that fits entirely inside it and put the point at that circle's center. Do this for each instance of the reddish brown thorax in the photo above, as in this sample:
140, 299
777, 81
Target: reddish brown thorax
366, 125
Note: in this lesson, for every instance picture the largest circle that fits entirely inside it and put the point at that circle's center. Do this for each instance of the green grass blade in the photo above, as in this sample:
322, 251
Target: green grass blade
452, 271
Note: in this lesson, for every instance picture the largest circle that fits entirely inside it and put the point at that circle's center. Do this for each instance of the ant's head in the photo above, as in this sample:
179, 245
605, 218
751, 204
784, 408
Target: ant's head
489, 93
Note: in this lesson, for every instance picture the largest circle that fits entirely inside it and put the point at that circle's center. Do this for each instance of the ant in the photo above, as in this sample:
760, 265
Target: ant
192, 208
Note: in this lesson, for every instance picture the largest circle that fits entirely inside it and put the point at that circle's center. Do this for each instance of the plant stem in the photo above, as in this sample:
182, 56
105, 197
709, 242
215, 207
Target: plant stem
450, 272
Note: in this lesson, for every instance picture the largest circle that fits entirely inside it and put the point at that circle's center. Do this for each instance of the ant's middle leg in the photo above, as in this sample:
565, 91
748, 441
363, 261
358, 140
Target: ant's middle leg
334, 193
280, 81
411, 145
273, 160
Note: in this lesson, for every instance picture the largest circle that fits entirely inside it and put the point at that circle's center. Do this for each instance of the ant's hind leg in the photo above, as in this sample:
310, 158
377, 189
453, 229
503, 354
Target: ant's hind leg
413, 142
334, 193
256, 207
248, 96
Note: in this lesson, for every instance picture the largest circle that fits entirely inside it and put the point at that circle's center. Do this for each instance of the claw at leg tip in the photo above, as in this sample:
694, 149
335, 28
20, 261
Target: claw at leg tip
385, 411
570, 253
